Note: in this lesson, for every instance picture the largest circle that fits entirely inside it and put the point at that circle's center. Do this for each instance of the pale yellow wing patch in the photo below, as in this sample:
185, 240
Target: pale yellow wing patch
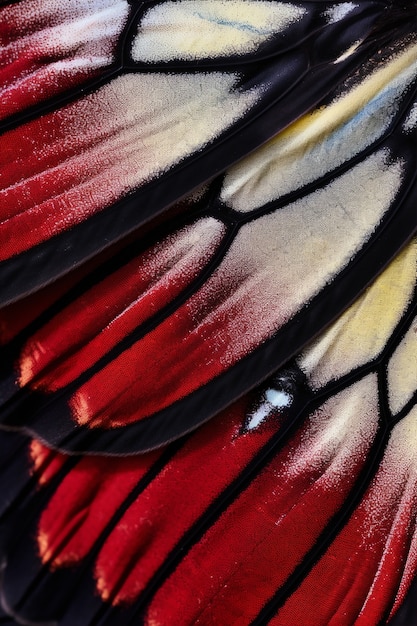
322, 140
191, 29
362, 332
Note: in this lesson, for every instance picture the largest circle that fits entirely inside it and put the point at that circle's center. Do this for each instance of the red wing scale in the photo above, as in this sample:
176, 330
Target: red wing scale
208, 322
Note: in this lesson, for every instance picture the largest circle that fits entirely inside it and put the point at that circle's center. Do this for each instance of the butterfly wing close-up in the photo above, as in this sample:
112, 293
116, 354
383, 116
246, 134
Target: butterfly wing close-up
208, 322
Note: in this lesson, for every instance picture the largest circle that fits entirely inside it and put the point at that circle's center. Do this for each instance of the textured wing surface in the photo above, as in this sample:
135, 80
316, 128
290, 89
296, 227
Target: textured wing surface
208, 326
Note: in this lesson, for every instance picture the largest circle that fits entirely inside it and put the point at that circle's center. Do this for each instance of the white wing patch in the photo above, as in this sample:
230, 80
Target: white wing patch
338, 11
191, 29
411, 120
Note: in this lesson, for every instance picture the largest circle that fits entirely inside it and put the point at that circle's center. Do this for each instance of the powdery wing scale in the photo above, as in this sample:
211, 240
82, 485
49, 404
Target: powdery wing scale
94, 151
241, 305
151, 359
81, 172
274, 309
303, 475
239, 551
327, 138
218, 450
97, 489
377, 546
350, 342
28, 313
370, 563
77, 338
47, 49
217, 29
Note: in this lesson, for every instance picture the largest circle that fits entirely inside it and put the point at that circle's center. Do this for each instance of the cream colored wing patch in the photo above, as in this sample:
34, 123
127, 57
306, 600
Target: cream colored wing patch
191, 29
322, 140
362, 332
280, 261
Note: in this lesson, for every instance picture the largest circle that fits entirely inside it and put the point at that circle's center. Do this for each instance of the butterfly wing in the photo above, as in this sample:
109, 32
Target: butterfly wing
145, 351
302, 493
271, 171
84, 169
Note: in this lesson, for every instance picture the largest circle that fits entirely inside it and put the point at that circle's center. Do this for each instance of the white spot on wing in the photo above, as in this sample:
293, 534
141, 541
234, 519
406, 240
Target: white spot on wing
278, 399
278, 395
338, 11
258, 416
411, 120
274, 400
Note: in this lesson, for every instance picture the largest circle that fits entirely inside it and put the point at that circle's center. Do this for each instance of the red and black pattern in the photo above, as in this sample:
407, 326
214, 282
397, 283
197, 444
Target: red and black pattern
143, 298
293, 74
